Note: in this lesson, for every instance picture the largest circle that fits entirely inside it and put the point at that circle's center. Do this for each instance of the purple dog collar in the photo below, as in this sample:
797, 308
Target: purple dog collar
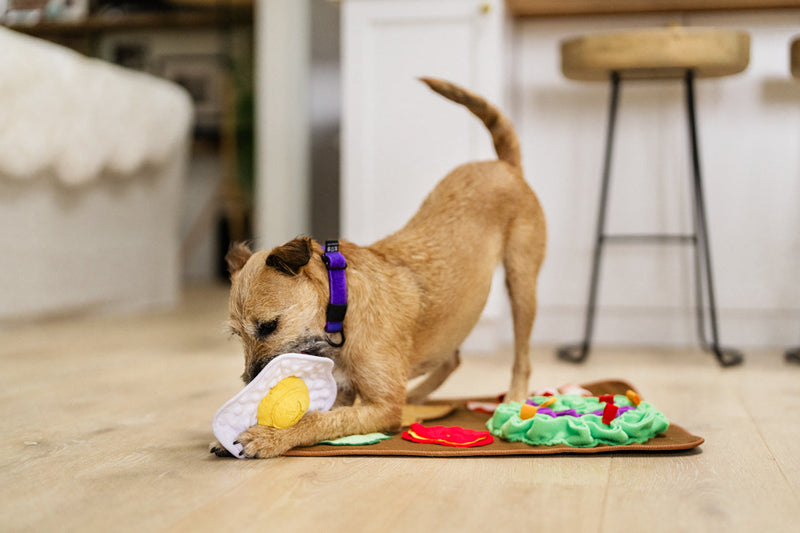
337, 305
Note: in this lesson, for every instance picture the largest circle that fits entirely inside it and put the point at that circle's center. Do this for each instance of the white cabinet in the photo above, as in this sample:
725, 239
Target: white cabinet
399, 138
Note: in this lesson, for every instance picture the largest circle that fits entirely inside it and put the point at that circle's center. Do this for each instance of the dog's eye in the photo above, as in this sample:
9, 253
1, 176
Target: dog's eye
265, 329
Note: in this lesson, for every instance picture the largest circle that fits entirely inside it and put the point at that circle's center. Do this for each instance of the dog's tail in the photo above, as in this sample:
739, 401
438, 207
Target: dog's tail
504, 137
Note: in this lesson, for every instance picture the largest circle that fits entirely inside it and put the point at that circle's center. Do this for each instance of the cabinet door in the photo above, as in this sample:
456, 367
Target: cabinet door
399, 138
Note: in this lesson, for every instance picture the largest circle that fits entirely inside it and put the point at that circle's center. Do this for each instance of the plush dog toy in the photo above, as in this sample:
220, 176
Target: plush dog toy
288, 387
401, 307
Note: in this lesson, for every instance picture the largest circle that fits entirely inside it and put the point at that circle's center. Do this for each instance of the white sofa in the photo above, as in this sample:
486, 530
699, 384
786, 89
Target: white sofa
92, 163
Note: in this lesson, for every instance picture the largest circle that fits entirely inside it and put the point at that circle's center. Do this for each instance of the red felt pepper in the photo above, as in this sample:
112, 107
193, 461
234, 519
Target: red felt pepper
448, 436
609, 413
607, 398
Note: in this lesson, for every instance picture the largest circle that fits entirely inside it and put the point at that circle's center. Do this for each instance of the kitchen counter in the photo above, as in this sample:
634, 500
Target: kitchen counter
541, 8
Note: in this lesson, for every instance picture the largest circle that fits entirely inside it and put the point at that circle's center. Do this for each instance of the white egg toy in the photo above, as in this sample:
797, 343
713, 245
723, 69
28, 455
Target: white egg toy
288, 387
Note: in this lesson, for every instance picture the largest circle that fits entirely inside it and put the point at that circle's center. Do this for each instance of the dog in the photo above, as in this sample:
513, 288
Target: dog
413, 297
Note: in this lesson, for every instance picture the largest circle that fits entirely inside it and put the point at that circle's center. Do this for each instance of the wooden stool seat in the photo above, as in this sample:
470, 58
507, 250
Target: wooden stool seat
657, 53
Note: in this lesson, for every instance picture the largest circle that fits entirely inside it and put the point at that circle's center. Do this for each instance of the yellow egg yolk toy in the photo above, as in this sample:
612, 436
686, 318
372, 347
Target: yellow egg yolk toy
291, 385
285, 404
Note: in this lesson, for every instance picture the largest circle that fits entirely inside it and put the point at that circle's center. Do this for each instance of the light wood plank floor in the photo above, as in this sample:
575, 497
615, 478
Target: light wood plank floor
107, 421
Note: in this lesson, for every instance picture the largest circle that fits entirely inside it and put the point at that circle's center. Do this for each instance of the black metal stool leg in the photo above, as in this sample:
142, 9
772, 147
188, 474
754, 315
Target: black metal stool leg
577, 353
793, 355
702, 249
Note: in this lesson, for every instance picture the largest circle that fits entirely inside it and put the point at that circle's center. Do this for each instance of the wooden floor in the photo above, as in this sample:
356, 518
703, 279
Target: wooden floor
106, 424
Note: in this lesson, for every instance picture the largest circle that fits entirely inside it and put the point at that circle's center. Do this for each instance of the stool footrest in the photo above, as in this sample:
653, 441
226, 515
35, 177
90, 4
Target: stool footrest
644, 238
577, 353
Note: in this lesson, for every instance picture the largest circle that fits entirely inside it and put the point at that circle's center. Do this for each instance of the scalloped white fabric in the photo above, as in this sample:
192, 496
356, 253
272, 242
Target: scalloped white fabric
240, 412
77, 117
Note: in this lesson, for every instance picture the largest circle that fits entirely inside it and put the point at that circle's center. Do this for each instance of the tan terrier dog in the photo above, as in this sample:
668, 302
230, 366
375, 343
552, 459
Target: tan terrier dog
413, 297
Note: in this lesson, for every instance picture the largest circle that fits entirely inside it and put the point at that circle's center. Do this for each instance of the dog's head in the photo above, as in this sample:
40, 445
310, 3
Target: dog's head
277, 302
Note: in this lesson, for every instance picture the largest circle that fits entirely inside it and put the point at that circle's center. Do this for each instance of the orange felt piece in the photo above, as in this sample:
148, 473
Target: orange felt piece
634, 398
527, 411
548, 402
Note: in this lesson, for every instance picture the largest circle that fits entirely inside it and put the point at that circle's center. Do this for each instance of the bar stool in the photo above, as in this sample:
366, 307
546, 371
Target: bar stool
793, 354
675, 53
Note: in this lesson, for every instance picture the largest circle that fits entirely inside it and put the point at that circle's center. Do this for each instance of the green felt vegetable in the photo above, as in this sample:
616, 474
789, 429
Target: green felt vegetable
637, 424
358, 440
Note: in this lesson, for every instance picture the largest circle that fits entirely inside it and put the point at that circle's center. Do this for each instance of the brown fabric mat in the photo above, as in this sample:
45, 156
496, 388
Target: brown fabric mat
674, 439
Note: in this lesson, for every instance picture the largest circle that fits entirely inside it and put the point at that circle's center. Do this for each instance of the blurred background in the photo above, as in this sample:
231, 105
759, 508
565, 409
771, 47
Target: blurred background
208, 48
306, 118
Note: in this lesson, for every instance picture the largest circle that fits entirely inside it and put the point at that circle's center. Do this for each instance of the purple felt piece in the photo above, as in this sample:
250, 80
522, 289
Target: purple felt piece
572, 412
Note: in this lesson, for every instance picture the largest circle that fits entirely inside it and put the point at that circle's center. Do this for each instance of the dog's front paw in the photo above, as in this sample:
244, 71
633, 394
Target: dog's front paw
218, 449
262, 442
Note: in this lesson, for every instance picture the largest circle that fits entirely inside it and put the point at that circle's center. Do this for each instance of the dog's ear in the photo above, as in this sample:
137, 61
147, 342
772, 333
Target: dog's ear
291, 257
237, 256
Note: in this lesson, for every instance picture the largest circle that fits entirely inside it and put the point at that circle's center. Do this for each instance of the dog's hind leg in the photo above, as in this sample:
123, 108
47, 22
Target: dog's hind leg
433, 380
524, 253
